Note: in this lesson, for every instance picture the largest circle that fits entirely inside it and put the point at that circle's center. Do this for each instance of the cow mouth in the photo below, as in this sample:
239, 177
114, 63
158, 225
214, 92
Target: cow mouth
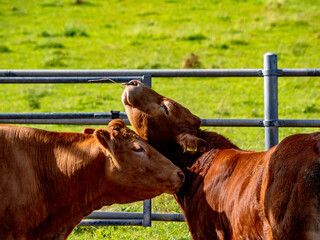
172, 190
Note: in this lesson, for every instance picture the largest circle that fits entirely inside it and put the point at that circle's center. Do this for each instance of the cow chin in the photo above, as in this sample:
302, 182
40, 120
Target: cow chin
124, 98
172, 190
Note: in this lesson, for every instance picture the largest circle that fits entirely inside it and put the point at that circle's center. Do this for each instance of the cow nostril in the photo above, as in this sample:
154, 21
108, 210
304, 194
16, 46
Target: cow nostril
181, 175
132, 83
129, 83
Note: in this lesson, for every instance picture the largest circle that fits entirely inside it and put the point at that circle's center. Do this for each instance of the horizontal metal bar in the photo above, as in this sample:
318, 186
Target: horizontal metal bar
59, 115
67, 79
299, 123
232, 122
167, 217
135, 215
104, 120
134, 72
157, 72
315, 72
111, 222
260, 123
61, 121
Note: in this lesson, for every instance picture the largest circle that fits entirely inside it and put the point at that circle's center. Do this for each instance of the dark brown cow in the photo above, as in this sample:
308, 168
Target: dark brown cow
231, 193
51, 180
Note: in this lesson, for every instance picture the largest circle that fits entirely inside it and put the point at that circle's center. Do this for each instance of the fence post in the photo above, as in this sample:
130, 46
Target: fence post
270, 74
147, 80
146, 222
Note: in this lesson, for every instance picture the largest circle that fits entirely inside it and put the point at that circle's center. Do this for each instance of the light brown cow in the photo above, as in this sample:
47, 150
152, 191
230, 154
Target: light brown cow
51, 180
231, 193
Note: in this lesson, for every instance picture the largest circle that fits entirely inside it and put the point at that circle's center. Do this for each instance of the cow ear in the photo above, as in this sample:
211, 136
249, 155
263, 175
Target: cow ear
88, 130
116, 124
115, 127
106, 142
190, 143
103, 137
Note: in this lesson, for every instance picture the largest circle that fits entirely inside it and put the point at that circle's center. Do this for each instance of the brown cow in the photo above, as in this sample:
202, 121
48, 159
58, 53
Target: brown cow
51, 180
231, 193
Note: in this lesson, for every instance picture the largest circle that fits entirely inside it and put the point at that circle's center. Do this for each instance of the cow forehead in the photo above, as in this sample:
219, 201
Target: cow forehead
129, 137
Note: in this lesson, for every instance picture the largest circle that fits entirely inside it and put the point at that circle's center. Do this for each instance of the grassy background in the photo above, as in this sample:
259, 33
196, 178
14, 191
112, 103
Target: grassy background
116, 34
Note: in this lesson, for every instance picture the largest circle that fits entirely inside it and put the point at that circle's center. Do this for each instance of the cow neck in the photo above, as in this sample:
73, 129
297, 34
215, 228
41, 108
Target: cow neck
71, 172
173, 151
194, 166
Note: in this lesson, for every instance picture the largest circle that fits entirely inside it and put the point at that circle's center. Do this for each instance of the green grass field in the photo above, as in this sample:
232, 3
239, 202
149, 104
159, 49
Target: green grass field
126, 34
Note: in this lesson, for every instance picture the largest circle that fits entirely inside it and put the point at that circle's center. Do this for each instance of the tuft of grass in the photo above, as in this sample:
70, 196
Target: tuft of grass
55, 61
79, 2
311, 108
299, 48
75, 32
147, 14
289, 23
34, 96
239, 42
224, 18
82, 3
195, 37
276, 3
47, 34
4, 49
222, 46
54, 3
108, 25
50, 45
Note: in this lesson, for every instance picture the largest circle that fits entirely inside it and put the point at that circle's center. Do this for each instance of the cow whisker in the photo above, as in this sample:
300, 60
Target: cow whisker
103, 79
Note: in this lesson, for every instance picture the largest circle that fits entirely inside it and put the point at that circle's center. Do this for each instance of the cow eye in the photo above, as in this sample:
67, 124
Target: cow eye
165, 109
138, 149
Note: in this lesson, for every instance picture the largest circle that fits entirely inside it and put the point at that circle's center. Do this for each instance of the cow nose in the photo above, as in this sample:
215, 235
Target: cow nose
132, 82
181, 175
128, 83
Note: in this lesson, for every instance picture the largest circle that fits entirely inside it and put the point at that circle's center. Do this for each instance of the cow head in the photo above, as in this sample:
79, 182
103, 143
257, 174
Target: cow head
161, 120
134, 164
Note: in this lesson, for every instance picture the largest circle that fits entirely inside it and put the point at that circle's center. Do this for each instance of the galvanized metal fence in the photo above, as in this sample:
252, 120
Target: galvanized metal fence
271, 121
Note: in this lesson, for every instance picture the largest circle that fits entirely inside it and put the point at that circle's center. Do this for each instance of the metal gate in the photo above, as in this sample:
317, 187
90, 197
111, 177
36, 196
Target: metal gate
271, 122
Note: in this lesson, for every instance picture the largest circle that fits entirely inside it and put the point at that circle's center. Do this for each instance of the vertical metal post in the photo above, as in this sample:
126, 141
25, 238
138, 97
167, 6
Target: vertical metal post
147, 81
146, 222
271, 100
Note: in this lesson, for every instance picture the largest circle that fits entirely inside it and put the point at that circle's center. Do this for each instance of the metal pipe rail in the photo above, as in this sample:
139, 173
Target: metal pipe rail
101, 79
104, 118
126, 218
135, 215
99, 115
160, 73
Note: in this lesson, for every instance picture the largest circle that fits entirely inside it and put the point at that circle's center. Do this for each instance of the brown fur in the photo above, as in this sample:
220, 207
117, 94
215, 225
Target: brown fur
231, 193
51, 180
